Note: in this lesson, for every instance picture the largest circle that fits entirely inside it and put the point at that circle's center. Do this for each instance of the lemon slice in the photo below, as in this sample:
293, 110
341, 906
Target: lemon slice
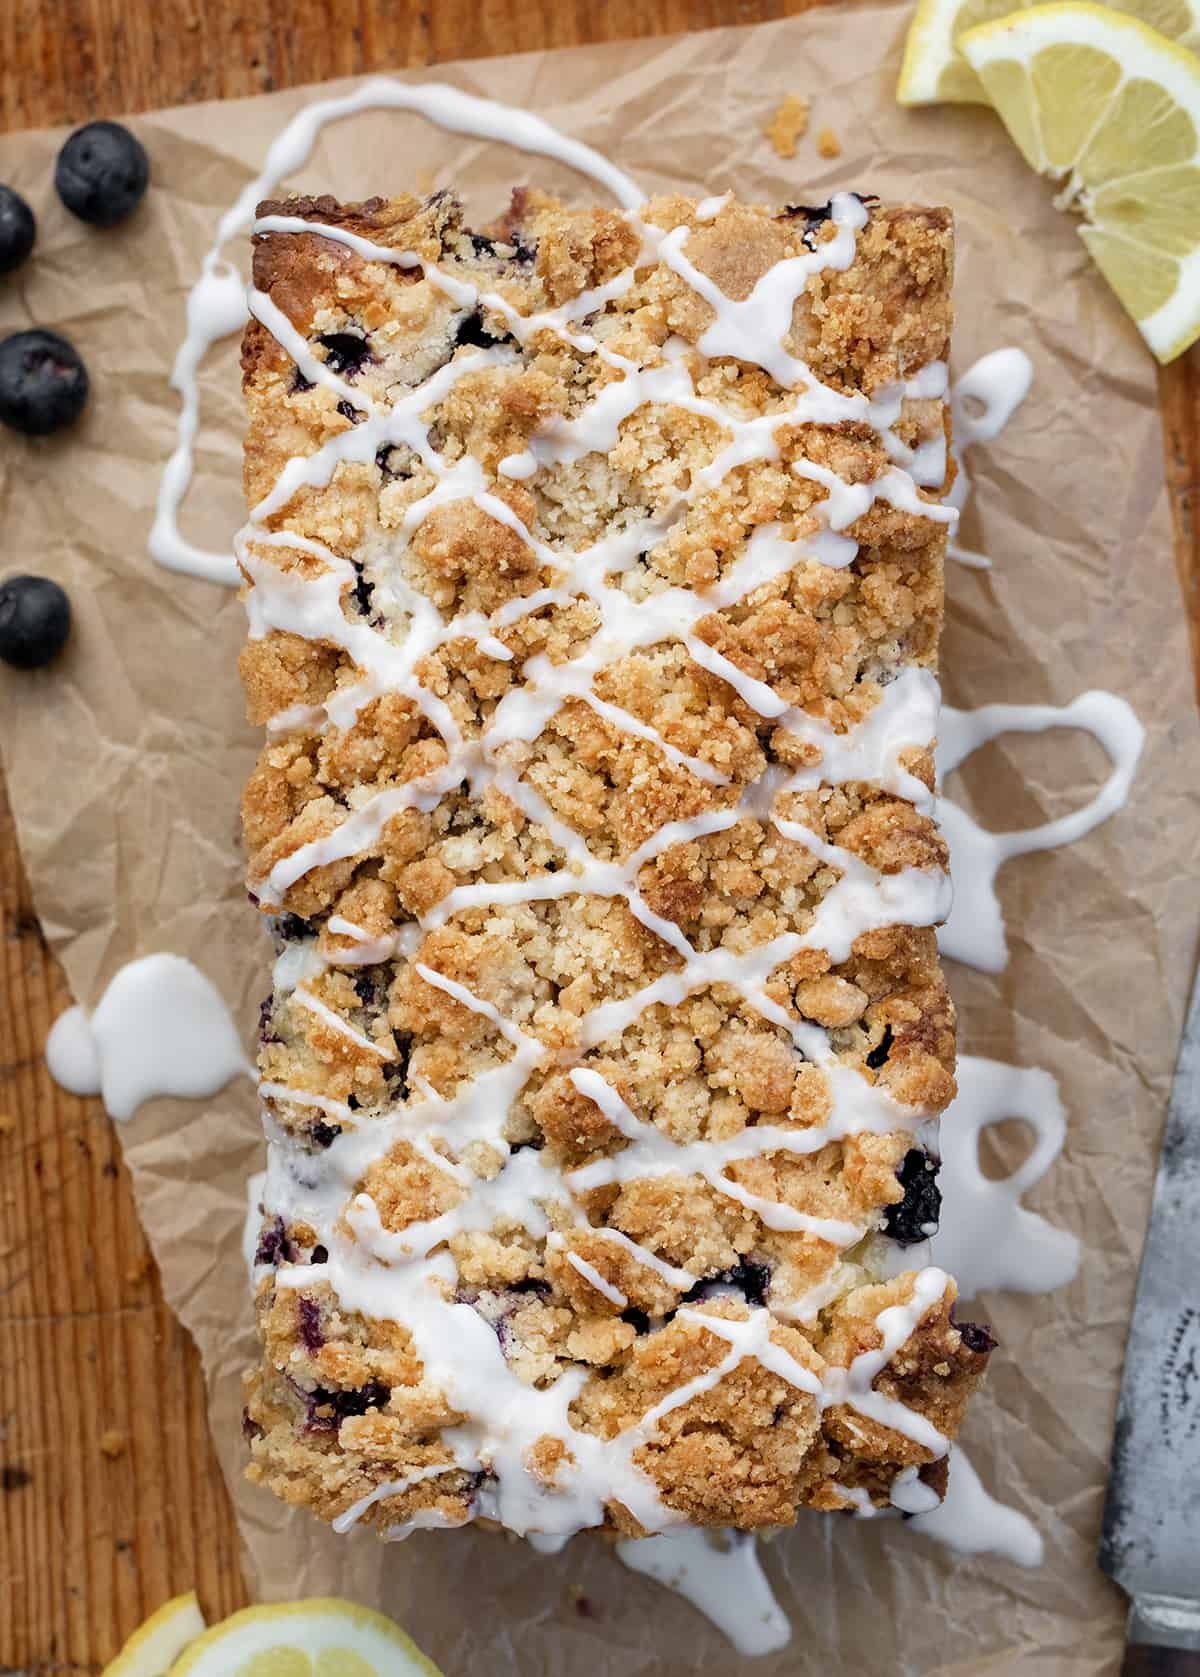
935, 71
1111, 108
322, 1637
154, 1646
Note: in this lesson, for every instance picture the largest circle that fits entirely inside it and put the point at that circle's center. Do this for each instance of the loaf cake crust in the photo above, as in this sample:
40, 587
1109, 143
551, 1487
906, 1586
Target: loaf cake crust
595, 579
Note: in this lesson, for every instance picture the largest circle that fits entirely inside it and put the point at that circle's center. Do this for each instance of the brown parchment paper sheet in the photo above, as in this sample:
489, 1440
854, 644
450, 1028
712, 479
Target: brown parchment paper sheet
125, 762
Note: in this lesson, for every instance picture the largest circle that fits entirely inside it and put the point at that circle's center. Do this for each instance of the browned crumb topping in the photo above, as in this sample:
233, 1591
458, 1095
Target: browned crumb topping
338, 1405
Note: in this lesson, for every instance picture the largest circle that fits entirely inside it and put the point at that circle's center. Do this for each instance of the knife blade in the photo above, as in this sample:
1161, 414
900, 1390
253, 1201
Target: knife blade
1150, 1543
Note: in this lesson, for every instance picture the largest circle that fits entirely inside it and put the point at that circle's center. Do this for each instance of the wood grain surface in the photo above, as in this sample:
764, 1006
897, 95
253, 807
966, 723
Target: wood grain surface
110, 1498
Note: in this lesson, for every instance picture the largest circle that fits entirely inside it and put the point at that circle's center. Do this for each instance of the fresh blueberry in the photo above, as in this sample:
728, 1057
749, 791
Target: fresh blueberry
915, 1217
323, 1134
43, 383
17, 230
102, 173
35, 620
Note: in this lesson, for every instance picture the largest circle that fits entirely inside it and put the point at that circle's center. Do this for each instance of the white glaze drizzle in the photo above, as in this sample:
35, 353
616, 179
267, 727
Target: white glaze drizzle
720, 1573
974, 932
996, 385
160, 1028
252, 1227
986, 1238
970, 1519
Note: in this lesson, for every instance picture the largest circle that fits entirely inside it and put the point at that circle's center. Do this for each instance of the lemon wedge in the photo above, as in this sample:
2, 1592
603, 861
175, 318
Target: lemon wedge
934, 70
154, 1646
1112, 109
321, 1637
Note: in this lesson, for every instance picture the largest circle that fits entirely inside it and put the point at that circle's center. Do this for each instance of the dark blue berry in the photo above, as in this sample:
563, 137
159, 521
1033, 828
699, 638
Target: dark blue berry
361, 592
35, 620
395, 1073
485, 247
815, 215
371, 1396
43, 383
752, 1280
474, 332
976, 1336
102, 173
471, 331
393, 462
878, 1055
915, 1217
323, 1134
18, 230
274, 1247
310, 1324
345, 352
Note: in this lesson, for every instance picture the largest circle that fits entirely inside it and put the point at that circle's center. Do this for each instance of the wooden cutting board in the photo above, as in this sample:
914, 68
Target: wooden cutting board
110, 1497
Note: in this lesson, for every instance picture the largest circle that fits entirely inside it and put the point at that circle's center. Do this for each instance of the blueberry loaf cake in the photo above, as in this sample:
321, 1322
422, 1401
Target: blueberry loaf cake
594, 573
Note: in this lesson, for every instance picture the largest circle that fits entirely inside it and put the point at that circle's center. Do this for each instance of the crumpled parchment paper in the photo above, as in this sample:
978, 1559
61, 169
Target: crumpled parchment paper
124, 764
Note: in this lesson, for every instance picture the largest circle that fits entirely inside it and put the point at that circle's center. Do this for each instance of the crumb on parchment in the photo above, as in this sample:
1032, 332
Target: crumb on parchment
828, 144
789, 125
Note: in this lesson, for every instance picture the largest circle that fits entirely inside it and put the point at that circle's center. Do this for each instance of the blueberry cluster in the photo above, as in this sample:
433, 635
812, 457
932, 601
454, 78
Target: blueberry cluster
101, 176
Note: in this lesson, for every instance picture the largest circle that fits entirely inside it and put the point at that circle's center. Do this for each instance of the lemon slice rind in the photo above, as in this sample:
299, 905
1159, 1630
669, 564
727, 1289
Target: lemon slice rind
156, 1645
1136, 243
934, 71
334, 1635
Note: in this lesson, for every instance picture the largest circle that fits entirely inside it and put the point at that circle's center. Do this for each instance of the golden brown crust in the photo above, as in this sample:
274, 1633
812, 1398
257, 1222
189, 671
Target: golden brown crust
338, 1405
